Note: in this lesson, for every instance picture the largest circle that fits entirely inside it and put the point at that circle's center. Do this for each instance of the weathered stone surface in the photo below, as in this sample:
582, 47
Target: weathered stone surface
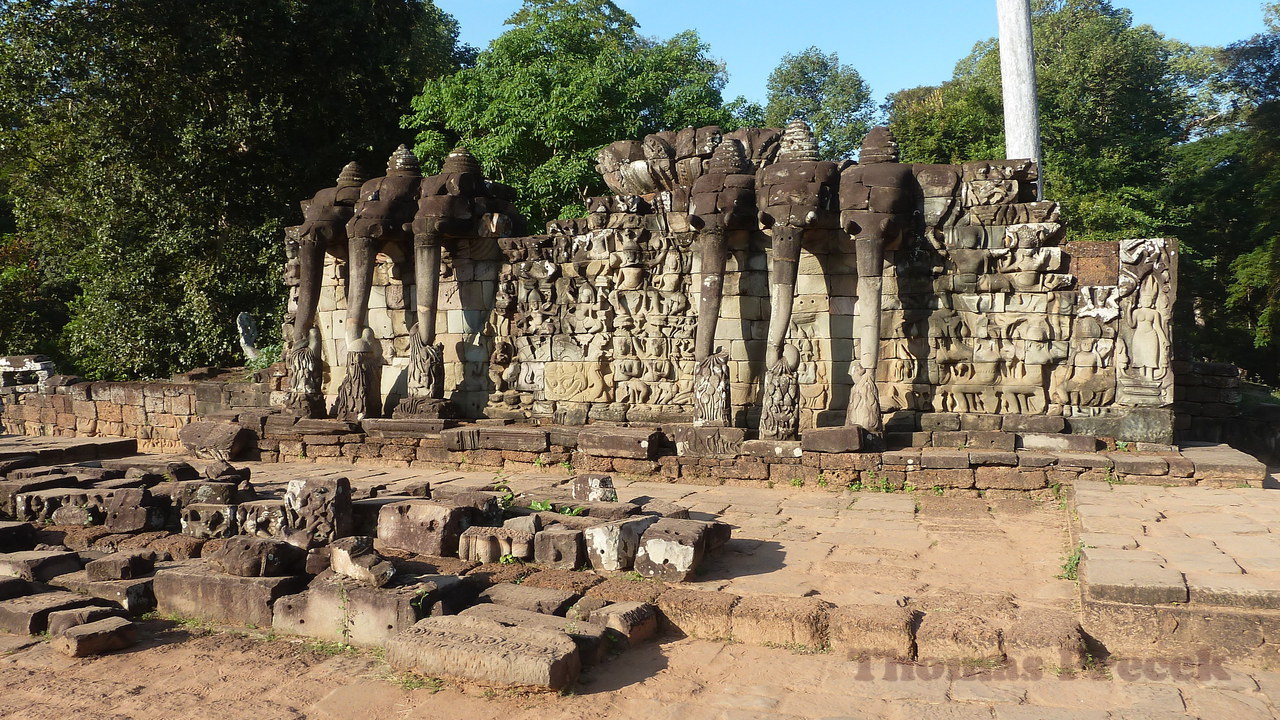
1044, 638
490, 544
671, 550
39, 565
589, 636
767, 619
215, 440
95, 638
772, 448
207, 521
29, 615
257, 557
872, 631
618, 442
194, 589
317, 510
955, 637
548, 601
342, 610
261, 518
633, 621
120, 566
201, 492
355, 558
1133, 581
12, 587
62, 620
486, 651
613, 545
593, 487
558, 547
849, 438
708, 442
426, 527
136, 596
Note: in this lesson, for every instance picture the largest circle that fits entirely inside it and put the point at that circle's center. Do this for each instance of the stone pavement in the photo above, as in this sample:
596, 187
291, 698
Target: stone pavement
844, 547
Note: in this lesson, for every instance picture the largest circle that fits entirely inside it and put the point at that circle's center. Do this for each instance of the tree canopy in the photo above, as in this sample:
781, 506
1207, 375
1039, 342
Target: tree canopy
568, 77
813, 86
154, 150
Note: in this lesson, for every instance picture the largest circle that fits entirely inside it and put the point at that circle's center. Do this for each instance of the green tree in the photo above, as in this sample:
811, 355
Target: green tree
567, 78
1113, 102
813, 86
154, 150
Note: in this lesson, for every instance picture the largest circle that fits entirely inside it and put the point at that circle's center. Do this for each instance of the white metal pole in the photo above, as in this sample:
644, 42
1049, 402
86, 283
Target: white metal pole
1018, 82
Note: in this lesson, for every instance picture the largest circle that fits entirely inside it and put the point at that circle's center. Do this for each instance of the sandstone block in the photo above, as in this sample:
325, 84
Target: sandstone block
425, 527
62, 620
593, 487
486, 651
548, 601
618, 442
29, 615
194, 589
215, 440
355, 558
95, 638
558, 547
41, 565
589, 636
1133, 581
613, 545
490, 544
671, 550
633, 621
341, 610
257, 557
849, 438
957, 638
207, 521
120, 566
767, 619
872, 631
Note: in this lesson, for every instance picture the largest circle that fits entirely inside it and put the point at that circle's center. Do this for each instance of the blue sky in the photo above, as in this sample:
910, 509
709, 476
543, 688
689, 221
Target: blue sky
895, 44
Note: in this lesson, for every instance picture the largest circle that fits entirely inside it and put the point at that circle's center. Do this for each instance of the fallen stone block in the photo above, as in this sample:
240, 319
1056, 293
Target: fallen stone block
613, 545
208, 521
61, 621
483, 507
134, 510
121, 566
257, 557
775, 620
577, 583
341, 610
590, 637
486, 651
194, 589
261, 518
215, 440
593, 487
671, 550
560, 548
628, 589
663, 508
633, 622
135, 596
355, 558
29, 615
534, 599
95, 638
41, 565
872, 631
425, 527
491, 544
698, 613
177, 547
317, 510
202, 492
526, 523
951, 637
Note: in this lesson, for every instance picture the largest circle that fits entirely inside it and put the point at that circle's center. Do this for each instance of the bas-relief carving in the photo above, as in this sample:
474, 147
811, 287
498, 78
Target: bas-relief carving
622, 309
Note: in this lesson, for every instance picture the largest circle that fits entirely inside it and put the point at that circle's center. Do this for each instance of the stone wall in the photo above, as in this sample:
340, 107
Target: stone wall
985, 310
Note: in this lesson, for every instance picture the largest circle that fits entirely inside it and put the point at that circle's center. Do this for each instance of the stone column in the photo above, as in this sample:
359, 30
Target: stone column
1018, 82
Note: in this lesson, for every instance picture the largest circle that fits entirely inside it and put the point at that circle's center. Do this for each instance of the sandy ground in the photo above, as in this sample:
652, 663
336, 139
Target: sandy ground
178, 673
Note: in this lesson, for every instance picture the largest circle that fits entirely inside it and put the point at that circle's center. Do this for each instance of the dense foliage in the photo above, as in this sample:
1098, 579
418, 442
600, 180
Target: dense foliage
569, 77
813, 86
152, 152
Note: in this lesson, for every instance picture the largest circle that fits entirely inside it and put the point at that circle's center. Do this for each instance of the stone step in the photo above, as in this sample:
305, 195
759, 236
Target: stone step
592, 639
486, 651
38, 565
30, 614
